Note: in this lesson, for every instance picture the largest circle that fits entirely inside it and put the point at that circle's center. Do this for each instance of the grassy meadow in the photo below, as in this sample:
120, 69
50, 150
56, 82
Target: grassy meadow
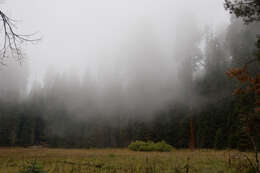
13, 160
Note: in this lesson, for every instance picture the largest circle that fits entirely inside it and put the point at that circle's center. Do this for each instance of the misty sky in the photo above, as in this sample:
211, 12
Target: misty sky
93, 34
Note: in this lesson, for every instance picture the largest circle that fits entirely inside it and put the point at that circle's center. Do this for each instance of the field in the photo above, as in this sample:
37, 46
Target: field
14, 160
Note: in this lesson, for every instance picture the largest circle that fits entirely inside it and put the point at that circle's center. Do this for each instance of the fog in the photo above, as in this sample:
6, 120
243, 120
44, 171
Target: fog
114, 55
81, 33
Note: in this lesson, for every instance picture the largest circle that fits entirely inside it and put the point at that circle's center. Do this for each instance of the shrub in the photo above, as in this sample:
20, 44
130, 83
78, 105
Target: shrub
150, 146
137, 145
162, 146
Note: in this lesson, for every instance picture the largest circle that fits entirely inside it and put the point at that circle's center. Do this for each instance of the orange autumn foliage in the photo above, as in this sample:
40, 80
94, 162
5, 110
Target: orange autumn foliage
252, 83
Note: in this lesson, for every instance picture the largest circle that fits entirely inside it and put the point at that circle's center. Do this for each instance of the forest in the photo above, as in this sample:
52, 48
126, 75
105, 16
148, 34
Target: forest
189, 103
119, 86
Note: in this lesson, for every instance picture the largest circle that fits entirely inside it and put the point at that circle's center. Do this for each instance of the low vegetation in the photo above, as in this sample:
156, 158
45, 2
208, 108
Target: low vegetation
32, 167
150, 146
44, 160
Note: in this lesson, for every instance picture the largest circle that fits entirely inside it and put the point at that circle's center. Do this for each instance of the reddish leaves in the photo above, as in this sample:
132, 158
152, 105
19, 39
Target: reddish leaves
252, 83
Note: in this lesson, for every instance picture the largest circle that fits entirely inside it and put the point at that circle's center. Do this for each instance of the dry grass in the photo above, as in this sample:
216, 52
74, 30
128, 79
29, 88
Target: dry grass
121, 160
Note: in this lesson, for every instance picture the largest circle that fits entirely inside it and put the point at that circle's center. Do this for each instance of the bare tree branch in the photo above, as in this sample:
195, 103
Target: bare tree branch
12, 40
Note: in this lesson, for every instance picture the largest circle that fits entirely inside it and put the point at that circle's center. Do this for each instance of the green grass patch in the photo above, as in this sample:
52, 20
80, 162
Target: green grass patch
150, 146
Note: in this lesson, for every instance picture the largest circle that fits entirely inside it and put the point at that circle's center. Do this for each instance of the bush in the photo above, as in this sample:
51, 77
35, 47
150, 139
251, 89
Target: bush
150, 146
162, 146
137, 145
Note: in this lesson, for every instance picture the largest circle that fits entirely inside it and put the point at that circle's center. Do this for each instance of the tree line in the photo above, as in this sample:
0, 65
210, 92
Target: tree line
65, 110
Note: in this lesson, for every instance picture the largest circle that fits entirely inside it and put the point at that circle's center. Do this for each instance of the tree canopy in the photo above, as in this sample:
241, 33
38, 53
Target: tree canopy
249, 10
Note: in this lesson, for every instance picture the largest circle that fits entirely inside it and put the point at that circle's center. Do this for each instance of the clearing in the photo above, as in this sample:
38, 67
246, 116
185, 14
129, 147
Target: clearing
122, 161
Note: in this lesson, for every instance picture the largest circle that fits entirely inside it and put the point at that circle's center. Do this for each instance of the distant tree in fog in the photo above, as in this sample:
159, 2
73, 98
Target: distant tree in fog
13, 82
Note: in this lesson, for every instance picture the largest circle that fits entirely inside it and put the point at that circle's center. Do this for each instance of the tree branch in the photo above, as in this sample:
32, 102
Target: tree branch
12, 40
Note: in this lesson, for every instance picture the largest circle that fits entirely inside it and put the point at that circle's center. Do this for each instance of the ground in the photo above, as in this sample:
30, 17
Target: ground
12, 160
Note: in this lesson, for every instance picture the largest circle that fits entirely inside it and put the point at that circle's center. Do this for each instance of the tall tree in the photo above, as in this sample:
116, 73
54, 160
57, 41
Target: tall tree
190, 53
249, 11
